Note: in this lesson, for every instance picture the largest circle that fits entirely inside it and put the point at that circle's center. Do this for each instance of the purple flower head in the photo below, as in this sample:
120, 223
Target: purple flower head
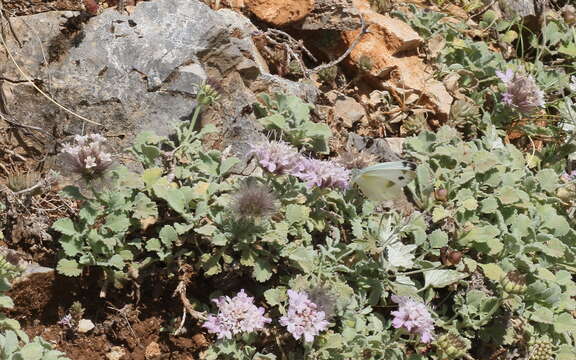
569, 176
522, 92
87, 156
414, 317
67, 321
324, 174
506, 77
236, 315
303, 318
277, 157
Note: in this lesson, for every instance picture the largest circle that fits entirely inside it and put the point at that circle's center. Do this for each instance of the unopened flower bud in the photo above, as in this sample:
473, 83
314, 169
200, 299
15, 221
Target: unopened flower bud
441, 194
514, 283
452, 346
541, 349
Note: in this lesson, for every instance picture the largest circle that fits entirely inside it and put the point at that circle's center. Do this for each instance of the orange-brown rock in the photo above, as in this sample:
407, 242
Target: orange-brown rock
391, 51
280, 12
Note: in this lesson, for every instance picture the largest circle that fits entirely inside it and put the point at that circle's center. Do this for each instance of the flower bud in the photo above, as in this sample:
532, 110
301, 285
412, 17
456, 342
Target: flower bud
565, 194
514, 283
441, 194
452, 346
541, 349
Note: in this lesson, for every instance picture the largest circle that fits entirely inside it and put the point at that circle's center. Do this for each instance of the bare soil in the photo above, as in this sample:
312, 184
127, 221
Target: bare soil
121, 327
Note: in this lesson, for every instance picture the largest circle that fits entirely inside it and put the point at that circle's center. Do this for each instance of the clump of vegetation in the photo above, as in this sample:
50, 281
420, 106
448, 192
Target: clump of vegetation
484, 261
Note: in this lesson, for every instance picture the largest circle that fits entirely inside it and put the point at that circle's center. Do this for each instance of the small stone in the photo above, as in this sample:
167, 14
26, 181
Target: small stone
200, 340
116, 353
152, 350
84, 326
395, 144
348, 111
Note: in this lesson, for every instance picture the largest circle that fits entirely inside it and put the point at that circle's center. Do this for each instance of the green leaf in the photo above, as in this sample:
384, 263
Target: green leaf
470, 204
438, 239
492, 271
565, 323
479, 234
6, 302
174, 197
168, 235
227, 164
153, 245
489, 205
262, 270
508, 195
117, 261
64, 226
543, 315
73, 192
274, 122
207, 230
71, 245
548, 179
144, 207
68, 267
304, 257
297, 213
32, 351
569, 50
439, 213
442, 278
276, 296
151, 176
88, 214
117, 223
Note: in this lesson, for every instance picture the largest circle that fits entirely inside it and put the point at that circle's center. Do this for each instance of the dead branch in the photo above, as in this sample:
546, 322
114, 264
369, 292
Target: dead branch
185, 276
363, 31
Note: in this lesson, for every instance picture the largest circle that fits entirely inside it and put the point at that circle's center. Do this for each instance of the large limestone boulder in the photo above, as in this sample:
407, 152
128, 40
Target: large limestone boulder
137, 71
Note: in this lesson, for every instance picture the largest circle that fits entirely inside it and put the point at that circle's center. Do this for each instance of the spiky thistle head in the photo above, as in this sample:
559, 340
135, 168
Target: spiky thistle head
324, 298
253, 200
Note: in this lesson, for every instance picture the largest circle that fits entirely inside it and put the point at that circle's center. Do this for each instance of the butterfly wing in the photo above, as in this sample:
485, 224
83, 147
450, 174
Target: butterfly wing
385, 181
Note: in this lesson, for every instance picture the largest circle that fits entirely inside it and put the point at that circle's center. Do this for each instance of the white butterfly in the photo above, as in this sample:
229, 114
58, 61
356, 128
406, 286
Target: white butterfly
384, 181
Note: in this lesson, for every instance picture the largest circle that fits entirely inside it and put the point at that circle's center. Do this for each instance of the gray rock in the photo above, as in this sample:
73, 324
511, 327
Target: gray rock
348, 111
338, 15
381, 148
28, 267
139, 71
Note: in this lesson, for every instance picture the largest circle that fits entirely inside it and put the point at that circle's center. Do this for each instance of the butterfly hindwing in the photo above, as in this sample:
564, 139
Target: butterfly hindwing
385, 181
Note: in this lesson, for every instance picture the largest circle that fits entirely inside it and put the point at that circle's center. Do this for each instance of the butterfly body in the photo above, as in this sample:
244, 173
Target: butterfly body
384, 181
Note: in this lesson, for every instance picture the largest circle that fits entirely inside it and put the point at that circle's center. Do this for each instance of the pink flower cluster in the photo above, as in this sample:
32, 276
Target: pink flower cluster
277, 157
236, 315
87, 156
522, 92
280, 158
414, 317
303, 319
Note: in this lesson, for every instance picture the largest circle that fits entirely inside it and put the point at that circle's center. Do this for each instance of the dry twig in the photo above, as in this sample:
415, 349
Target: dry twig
186, 274
363, 31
